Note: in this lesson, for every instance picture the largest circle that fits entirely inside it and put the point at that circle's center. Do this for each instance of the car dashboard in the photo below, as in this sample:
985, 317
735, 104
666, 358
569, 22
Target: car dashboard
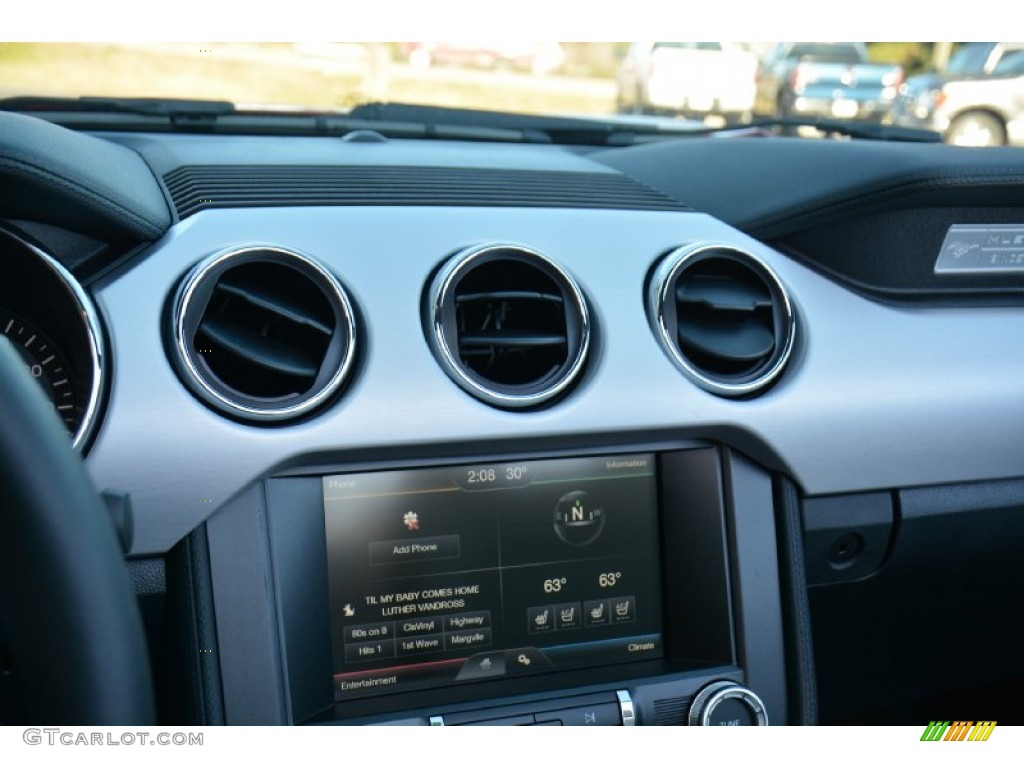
440, 432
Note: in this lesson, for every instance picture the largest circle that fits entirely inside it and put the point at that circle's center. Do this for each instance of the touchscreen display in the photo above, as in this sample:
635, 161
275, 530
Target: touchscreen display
452, 575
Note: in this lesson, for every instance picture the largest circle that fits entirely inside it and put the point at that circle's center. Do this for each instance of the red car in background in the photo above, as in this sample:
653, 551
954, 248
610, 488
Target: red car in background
538, 58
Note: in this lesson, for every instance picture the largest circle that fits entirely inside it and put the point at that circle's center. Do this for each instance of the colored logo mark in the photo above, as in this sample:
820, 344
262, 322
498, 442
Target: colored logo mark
959, 730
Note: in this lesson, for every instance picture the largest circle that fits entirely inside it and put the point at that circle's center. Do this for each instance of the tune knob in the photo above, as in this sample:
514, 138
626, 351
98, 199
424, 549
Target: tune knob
726, 703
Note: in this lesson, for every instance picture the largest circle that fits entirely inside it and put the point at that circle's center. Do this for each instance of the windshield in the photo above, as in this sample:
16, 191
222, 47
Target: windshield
691, 46
540, 78
1011, 64
970, 59
696, 83
843, 53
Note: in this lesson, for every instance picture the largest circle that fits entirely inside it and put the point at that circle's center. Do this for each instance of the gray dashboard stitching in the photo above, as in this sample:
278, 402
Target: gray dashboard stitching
150, 228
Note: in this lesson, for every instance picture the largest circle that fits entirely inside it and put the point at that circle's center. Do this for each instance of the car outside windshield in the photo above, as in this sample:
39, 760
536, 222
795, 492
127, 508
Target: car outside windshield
546, 78
703, 84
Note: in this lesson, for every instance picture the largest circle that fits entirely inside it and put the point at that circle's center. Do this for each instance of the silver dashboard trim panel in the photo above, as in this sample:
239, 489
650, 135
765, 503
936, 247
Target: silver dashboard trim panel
947, 408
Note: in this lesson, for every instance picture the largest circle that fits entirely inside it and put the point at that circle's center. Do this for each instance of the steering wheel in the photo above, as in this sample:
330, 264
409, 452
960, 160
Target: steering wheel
77, 649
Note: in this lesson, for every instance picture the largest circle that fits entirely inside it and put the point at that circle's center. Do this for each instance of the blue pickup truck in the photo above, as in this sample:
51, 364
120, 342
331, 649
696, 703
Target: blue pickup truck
830, 80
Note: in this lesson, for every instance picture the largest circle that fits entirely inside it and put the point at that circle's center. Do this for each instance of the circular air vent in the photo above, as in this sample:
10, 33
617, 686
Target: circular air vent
263, 334
508, 325
723, 317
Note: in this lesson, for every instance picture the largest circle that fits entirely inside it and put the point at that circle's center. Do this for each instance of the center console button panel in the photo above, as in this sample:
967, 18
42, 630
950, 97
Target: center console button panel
612, 708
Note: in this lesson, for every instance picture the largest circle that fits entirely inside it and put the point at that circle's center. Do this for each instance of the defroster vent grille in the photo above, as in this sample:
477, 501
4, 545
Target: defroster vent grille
195, 188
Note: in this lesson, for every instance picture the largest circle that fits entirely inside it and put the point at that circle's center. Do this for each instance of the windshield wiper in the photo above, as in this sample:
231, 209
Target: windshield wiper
596, 130
853, 129
394, 120
626, 130
384, 120
190, 111
130, 114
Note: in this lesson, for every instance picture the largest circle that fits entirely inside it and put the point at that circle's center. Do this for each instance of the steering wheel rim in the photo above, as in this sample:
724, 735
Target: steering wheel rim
73, 626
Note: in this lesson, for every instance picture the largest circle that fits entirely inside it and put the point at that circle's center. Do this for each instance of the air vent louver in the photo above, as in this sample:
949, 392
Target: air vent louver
508, 325
723, 317
263, 334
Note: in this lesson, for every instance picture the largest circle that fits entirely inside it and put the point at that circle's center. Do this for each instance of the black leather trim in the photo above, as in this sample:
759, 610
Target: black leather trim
772, 187
57, 176
190, 679
148, 575
891, 255
74, 627
800, 672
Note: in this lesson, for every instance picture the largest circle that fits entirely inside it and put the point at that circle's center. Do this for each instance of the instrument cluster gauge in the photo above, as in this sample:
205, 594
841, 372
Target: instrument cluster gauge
50, 321
46, 364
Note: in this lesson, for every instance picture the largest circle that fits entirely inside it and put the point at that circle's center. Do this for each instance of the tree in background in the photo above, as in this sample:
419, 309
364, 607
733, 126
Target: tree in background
913, 57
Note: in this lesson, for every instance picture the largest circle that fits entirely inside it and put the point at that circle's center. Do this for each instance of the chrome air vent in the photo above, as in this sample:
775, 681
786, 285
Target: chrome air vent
508, 325
723, 317
262, 334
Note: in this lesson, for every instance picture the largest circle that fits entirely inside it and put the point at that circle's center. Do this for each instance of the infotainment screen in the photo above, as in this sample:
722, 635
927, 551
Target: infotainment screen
451, 575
